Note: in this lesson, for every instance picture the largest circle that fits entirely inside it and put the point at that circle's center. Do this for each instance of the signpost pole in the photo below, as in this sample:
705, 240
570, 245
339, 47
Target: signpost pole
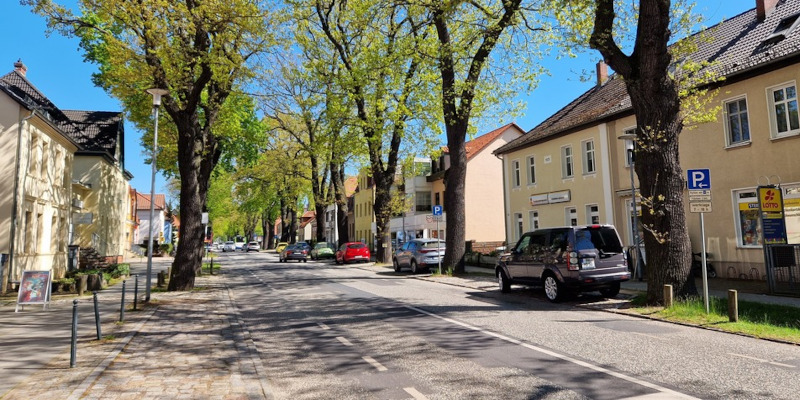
704, 272
439, 245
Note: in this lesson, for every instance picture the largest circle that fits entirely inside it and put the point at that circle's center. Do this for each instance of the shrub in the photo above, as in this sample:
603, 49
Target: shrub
119, 270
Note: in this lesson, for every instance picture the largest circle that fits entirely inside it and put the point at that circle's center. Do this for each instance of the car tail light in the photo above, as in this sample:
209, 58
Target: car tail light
572, 261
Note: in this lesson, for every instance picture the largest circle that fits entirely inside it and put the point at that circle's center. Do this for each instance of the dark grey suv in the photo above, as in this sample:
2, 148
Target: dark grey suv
566, 260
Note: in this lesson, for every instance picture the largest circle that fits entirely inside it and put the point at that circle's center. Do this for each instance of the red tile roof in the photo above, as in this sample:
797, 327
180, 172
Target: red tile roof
474, 146
143, 201
350, 185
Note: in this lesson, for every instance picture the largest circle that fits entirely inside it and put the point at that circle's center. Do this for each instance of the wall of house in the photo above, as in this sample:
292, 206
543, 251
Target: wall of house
107, 201
585, 189
363, 212
9, 131
739, 168
483, 192
43, 227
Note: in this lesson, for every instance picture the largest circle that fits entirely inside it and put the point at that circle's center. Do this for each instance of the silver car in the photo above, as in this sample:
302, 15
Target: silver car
419, 254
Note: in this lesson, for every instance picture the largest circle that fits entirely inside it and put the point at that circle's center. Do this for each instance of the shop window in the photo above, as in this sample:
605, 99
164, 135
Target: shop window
748, 219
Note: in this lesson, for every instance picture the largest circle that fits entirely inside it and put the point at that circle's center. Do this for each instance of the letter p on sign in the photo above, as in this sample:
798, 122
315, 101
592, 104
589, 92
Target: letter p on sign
699, 179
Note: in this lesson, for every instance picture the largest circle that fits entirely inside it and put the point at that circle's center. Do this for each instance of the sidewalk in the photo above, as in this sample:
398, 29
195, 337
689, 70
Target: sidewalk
184, 345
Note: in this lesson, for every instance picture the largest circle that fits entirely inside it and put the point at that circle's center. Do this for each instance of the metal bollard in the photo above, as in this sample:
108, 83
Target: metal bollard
135, 291
122, 304
73, 353
97, 316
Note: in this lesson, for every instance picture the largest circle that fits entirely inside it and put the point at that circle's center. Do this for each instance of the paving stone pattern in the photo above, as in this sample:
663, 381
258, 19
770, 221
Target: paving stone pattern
187, 346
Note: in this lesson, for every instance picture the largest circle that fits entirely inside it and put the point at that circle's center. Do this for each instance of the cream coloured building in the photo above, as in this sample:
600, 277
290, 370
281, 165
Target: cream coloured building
572, 168
363, 211
36, 200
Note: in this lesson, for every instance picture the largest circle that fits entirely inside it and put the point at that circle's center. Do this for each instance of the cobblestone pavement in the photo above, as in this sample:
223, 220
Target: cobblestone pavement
183, 346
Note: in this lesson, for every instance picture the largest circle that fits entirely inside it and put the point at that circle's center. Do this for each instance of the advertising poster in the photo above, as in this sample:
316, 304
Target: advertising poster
772, 218
791, 206
34, 288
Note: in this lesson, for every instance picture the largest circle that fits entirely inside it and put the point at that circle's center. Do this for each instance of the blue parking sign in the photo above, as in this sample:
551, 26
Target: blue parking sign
437, 210
698, 179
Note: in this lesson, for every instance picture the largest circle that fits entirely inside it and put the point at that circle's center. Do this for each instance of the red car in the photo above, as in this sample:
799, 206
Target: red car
352, 251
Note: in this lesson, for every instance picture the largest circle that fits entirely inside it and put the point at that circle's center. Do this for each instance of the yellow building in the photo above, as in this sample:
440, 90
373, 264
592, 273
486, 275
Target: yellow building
572, 168
36, 200
363, 211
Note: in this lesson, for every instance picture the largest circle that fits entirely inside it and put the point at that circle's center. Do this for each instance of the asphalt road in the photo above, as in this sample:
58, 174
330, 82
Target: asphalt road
328, 331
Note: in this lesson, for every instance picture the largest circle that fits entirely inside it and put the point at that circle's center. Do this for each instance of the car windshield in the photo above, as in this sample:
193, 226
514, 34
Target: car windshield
602, 238
432, 245
322, 246
357, 246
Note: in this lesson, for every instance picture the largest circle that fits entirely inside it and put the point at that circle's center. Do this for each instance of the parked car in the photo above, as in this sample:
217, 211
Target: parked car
293, 252
566, 260
419, 254
352, 251
323, 250
240, 246
253, 246
281, 245
228, 246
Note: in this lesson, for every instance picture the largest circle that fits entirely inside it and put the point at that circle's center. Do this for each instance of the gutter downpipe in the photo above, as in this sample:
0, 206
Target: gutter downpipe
505, 200
15, 204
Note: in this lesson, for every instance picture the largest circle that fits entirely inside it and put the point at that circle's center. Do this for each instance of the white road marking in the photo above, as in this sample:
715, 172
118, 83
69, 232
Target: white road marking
664, 391
323, 326
763, 361
375, 364
415, 393
344, 341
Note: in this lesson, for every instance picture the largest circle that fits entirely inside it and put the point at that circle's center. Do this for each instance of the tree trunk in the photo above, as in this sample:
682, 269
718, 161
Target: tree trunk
454, 204
340, 194
195, 171
266, 238
383, 252
656, 104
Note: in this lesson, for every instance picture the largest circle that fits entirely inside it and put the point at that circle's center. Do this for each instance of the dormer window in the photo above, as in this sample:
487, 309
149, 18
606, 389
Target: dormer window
784, 28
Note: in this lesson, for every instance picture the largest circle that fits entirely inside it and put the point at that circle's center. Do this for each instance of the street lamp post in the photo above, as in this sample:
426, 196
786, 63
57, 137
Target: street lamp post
637, 269
156, 93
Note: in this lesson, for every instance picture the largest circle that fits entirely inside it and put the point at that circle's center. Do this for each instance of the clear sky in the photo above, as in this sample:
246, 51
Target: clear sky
56, 67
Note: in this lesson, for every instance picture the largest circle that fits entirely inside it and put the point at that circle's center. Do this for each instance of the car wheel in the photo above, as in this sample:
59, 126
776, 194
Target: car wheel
396, 265
503, 282
711, 273
414, 268
304, 260
553, 289
610, 291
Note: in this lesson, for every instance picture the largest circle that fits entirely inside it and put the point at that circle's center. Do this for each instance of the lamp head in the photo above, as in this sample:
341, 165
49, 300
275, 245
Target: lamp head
157, 93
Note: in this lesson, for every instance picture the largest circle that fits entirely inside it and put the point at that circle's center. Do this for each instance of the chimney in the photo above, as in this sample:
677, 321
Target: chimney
764, 8
602, 73
20, 67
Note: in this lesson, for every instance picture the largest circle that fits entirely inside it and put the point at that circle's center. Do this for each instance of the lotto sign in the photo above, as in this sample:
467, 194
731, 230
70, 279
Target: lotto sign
770, 199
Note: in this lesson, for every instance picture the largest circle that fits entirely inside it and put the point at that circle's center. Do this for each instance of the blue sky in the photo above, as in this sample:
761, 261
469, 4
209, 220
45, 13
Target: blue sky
56, 67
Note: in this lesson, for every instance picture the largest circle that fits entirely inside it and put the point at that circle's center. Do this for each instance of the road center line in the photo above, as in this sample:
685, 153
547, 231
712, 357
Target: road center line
763, 361
585, 364
323, 326
415, 393
375, 364
344, 341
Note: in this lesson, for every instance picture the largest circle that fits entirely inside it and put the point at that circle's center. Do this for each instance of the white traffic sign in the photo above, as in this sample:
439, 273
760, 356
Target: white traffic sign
700, 207
699, 179
700, 197
700, 192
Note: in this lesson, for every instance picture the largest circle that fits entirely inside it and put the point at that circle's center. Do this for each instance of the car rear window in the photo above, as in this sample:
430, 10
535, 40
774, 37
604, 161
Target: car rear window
357, 246
603, 238
432, 245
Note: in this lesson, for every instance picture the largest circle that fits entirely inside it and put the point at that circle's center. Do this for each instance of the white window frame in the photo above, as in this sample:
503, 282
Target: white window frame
567, 162
773, 118
515, 172
737, 216
589, 160
519, 228
570, 213
727, 125
531, 165
533, 219
592, 213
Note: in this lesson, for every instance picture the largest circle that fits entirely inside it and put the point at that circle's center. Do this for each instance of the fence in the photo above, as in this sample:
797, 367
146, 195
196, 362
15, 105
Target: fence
783, 273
